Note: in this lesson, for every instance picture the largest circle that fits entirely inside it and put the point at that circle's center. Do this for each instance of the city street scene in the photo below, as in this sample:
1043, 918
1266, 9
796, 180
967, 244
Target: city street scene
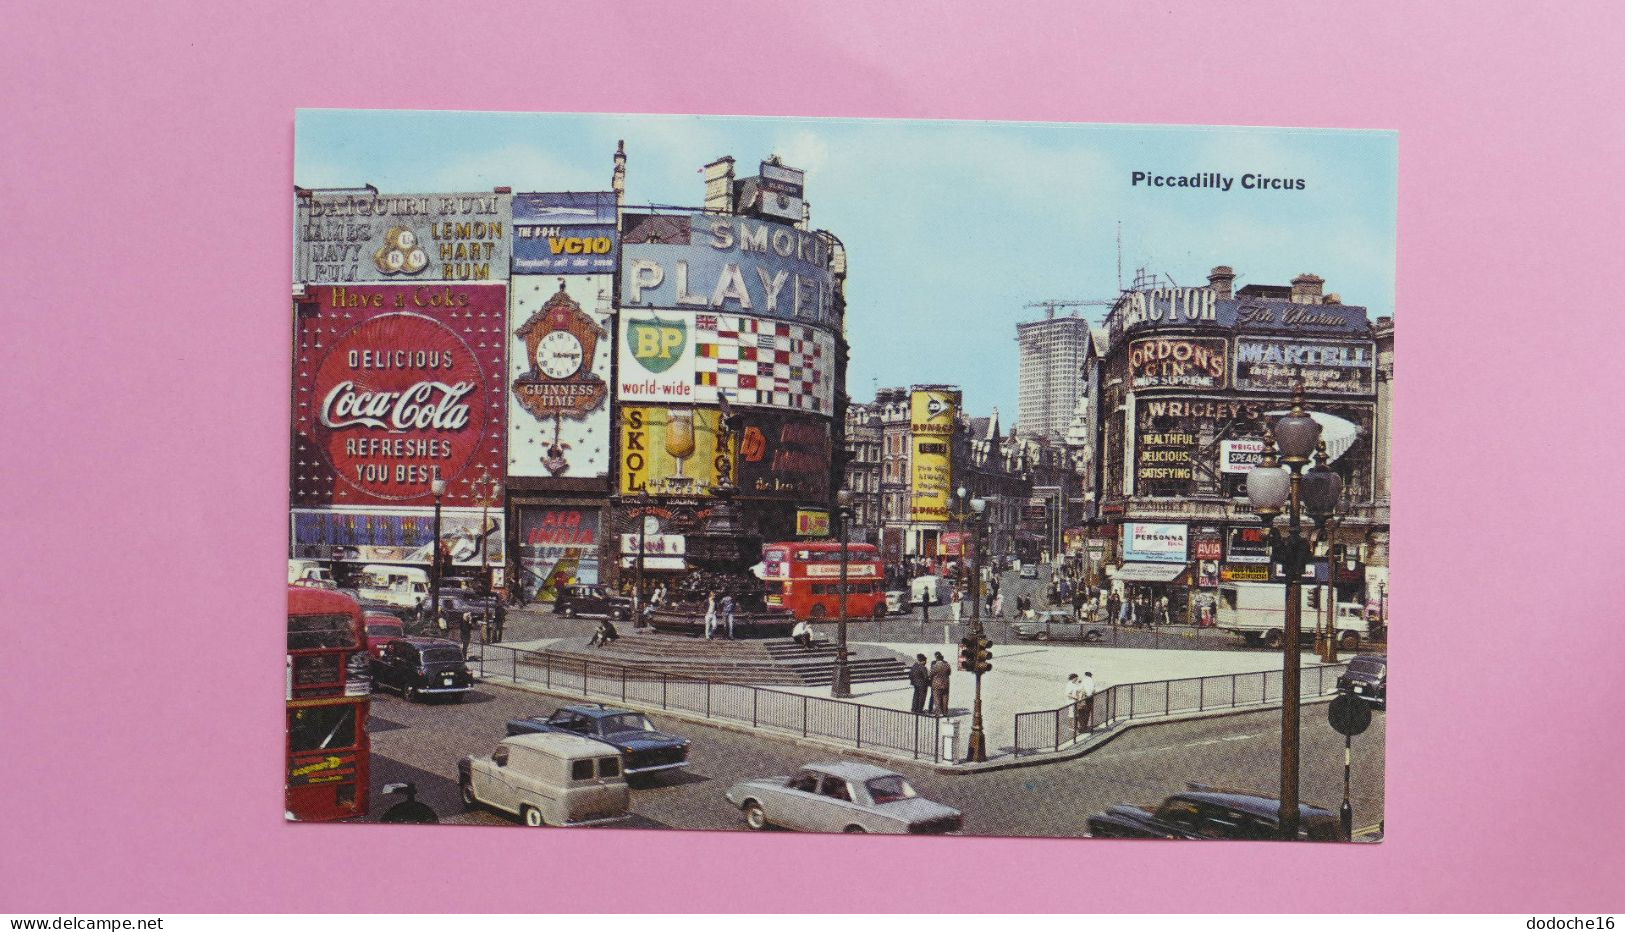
908, 477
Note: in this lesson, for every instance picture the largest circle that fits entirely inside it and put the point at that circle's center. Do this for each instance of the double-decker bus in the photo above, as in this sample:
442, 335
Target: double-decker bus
805, 578
328, 686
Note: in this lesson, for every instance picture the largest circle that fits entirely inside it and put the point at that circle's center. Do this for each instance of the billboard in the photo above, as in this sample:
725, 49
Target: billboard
673, 451
932, 416
557, 546
1247, 545
1240, 456
396, 535
1154, 543
370, 237
734, 264
700, 358
656, 356
779, 192
558, 372
566, 232
1165, 455
784, 456
1268, 364
1179, 362
811, 522
769, 363
1161, 308
393, 383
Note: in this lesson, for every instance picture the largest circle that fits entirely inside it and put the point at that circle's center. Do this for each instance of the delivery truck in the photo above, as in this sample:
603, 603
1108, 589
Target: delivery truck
1257, 612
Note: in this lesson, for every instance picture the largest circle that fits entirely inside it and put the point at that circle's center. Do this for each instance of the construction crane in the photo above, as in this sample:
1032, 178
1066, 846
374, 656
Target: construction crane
1050, 306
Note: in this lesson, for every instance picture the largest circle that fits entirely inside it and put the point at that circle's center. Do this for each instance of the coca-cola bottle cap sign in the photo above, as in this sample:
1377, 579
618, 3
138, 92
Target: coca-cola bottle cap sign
396, 397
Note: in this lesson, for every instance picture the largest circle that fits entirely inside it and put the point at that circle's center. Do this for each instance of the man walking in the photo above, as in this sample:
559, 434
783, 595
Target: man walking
919, 676
728, 614
1088, 689
940, 672
710, 614
954, 603
1113, 605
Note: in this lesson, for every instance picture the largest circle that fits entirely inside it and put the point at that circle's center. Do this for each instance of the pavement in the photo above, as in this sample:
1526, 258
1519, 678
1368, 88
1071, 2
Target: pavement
1031, 677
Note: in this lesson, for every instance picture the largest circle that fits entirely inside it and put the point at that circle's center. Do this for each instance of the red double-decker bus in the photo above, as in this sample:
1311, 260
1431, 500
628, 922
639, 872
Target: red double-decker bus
328, 686
805, 577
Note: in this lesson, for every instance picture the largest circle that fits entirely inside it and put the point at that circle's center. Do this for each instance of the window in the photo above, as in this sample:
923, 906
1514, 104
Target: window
581, 769
313, 632
890, 789
1181, 812
321, 728
609, 766
500, 757
804, 782
630, 721
442, 655
835, 788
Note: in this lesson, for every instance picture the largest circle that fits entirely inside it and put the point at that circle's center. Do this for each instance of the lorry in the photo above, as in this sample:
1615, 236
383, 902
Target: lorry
397, 586
1257, 612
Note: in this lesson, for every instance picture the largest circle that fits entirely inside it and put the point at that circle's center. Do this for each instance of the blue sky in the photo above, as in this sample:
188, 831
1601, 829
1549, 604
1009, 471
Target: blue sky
950, 227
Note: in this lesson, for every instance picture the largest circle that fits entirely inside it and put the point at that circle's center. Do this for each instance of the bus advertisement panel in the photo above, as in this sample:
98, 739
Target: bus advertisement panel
328, 688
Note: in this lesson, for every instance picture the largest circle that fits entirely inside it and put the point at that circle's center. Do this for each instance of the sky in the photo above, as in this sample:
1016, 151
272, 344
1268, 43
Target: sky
951, 227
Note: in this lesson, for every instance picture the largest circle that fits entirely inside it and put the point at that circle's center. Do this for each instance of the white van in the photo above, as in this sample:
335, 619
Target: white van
1257, 612
311, 573
549, 778
401, 586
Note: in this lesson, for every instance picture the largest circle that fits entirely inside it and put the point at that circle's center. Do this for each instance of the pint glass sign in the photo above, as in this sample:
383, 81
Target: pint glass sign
394, 383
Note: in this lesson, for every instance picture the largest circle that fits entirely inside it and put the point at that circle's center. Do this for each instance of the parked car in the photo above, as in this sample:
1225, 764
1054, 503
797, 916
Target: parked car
547, 779
842, 797
1212, 813
462, 594
382, 628
1056, 625
644, 748
423, 667
896, 601
1029, 571
592, 600
1367, 678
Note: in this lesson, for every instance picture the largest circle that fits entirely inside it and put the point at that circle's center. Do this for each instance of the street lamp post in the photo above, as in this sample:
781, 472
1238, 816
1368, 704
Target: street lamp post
643, 532
1272, 486
979, 509
437, 486
841, 686
487, 491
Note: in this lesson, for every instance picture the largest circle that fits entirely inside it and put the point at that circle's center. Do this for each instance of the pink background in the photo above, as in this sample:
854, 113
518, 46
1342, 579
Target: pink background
146, 238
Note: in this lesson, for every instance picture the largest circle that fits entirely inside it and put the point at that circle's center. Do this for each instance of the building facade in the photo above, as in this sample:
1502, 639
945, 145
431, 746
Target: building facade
1189, 382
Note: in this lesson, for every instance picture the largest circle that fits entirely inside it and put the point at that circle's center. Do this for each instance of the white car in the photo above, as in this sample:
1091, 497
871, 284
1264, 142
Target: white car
842, 797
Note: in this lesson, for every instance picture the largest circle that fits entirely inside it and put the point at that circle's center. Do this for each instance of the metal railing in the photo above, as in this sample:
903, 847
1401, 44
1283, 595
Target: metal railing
1054, 729
861, 726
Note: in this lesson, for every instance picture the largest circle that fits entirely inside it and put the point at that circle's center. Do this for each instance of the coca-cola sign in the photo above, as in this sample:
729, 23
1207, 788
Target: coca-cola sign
394, 384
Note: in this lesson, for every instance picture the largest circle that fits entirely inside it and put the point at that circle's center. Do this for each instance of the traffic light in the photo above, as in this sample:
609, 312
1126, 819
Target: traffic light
981, 653
967, 654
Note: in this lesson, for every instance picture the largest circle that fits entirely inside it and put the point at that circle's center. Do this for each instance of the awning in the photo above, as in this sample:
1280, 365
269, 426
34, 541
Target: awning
1148, 572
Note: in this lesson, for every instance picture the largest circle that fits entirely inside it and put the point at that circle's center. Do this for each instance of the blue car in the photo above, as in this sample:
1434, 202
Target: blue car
645, 750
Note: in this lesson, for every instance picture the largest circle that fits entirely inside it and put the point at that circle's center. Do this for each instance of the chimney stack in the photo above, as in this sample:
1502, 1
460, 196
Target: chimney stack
617, 181
719, 185
1306, 288
1220, 280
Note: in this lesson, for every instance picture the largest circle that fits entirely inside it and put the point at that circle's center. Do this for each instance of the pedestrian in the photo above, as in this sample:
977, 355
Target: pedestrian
940, 672
998, 605
989, 598
1074, 696
802, 633
953, 605
465, 628
728, 614
1077, 604
919, 676
605, 634
710, 614
1113, 605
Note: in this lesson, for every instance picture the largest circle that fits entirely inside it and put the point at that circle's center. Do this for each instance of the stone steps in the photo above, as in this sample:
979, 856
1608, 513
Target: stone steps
772, 663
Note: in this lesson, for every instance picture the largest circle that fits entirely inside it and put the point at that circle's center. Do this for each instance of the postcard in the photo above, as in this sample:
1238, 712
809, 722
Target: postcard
823, 475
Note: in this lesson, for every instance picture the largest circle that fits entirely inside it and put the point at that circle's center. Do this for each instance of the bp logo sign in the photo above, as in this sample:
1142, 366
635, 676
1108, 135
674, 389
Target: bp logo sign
656, 344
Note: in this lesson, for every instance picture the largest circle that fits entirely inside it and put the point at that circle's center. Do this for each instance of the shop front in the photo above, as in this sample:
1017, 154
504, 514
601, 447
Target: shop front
1154, 577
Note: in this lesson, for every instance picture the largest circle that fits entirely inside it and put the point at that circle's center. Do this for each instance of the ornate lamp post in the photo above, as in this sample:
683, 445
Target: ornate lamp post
978, 507
437, 486
1271, 487
841, 686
